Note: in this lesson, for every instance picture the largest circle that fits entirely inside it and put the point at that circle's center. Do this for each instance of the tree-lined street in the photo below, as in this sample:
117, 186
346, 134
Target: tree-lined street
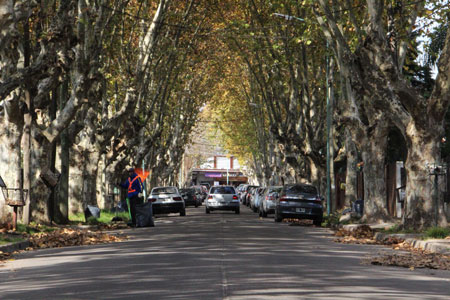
217, 256
331, 111
298, 91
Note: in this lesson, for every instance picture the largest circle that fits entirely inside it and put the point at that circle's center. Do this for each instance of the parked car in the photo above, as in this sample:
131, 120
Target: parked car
222, 197
205, 189
200, 192
207, 185
247, 194
190, 197
256, 198
242, 191
167, 199
299, 201
268, 200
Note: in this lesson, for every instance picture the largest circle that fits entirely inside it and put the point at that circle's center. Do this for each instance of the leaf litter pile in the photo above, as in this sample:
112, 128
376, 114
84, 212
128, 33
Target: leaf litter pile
67, 236
70, 237
406, 257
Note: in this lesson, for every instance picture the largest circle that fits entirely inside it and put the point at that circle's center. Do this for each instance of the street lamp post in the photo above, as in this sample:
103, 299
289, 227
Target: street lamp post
329, 137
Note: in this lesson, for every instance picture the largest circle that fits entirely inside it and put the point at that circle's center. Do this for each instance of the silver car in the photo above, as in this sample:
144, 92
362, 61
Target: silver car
268, 200
256, 199
167, 199
222, 197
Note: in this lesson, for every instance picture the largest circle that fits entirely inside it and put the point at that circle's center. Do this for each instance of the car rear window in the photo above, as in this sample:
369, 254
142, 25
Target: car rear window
275, 190
164, 190
223, 190
301, 189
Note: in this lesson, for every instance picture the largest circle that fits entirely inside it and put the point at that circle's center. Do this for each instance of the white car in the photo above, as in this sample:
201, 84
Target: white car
167, 199
222, 197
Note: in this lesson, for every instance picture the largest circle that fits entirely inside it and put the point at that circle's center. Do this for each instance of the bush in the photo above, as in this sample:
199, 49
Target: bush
400, 229
33, 228
331, 220
105, 217
92, 221
437, 233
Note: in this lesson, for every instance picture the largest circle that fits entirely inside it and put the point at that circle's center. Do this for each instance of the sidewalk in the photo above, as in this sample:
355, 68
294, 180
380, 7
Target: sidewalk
441, 246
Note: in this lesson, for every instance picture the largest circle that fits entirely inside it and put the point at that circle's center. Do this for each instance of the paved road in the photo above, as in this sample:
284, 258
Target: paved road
216, 256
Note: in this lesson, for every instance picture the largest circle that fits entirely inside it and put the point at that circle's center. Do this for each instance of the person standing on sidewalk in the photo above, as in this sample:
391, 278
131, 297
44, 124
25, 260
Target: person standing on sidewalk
134, 186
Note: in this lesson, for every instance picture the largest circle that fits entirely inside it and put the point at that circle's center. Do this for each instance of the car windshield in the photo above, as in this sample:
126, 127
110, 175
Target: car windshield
164, 190
301, 189
222, 190
250, 187
274, 190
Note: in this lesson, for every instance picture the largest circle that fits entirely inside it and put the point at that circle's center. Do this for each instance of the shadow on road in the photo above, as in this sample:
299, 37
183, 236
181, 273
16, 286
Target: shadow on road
216, 256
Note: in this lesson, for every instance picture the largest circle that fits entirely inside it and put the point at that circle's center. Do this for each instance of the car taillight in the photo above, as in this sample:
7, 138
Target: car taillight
318, 200
210, 197
284, 199
151, 199
177, 198
235, 197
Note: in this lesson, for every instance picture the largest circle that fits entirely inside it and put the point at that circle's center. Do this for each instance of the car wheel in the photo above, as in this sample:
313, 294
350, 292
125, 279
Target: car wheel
317, 222
237, 211
196, 204
277, 217
206, 210
183, 213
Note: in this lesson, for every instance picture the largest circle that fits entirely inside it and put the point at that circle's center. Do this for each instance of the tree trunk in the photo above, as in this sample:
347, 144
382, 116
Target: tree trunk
26, 146
420, 206
10, 150
40, 192
62, 201
374, 154
351, 176
90, 168
26, 138
315, 174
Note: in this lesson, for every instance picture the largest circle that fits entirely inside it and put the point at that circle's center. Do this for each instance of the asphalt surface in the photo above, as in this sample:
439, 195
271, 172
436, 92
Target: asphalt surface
217, 256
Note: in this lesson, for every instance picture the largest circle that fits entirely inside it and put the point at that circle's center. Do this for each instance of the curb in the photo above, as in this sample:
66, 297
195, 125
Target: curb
441, 246
11, 247
435, 246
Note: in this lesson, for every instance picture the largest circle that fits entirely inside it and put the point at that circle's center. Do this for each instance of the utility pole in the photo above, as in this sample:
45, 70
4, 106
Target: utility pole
330, 149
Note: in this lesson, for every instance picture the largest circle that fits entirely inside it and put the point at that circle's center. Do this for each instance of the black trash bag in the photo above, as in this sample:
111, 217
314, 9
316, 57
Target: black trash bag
91, 211
144, 215
116, 219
